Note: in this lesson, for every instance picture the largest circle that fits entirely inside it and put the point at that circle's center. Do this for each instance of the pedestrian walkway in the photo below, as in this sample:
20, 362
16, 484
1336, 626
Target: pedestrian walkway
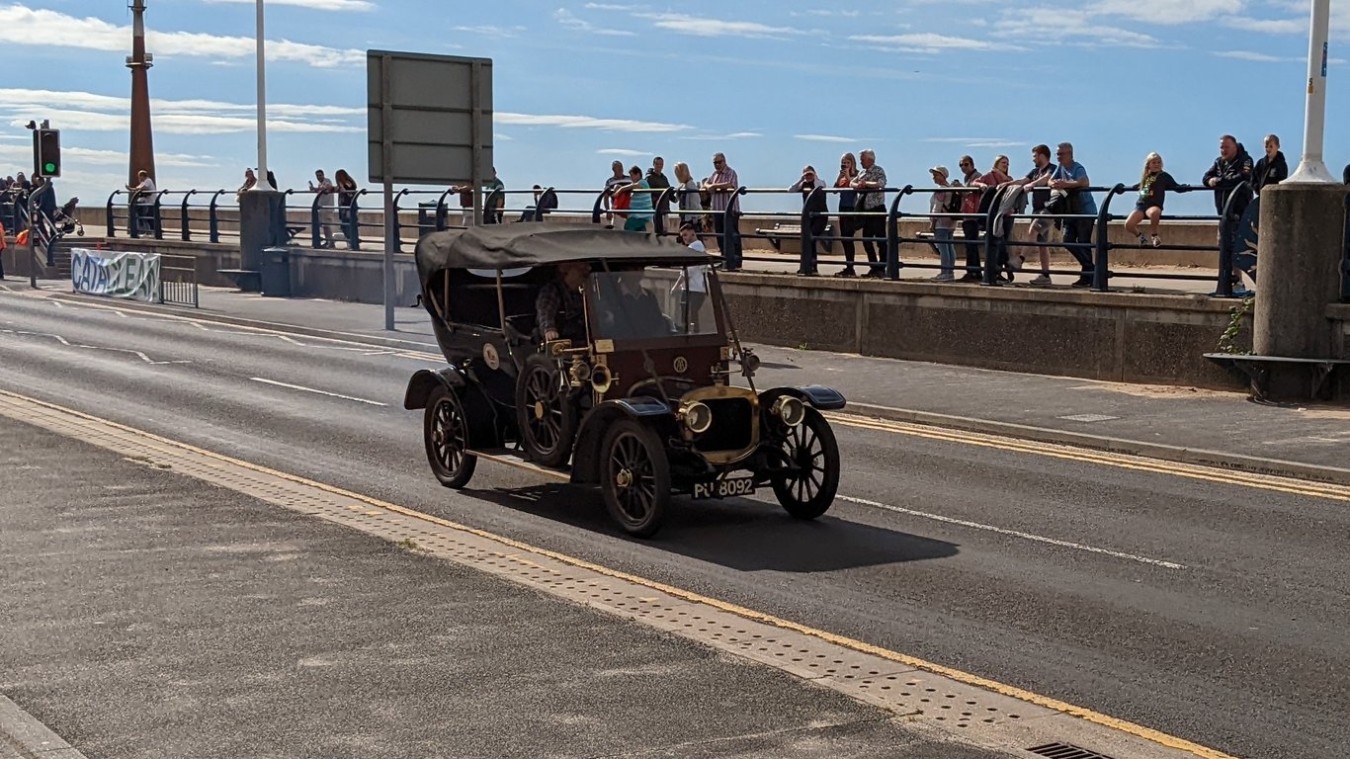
1185, 424
146, 614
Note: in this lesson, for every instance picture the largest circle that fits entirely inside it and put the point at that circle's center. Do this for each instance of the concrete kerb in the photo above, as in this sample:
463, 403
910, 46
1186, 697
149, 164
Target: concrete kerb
1177, 454
22, 735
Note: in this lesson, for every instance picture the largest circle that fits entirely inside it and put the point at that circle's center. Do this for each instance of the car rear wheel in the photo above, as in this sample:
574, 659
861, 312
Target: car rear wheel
446, 435
635, 477
808, 490
544, 412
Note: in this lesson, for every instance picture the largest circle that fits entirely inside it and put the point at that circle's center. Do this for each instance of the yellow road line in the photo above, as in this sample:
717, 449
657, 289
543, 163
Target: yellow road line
1123, 726
1120, 461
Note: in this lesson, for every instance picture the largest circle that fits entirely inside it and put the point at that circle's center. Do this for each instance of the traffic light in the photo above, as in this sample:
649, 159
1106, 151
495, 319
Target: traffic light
47, 152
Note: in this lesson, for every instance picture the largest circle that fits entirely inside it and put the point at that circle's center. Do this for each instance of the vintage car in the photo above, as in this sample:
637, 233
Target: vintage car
636, 394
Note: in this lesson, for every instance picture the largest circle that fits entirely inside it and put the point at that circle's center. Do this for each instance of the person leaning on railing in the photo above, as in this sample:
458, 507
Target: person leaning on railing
1069, 180
722, 187
687, 191
815, 208
1231, 169
848, 201
943, 226
871, 187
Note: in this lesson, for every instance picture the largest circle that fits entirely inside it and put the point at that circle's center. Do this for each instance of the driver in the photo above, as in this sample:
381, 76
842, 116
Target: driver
558, 308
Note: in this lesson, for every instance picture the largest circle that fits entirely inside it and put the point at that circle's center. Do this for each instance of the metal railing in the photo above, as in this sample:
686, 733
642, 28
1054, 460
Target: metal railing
882, 229
178, 280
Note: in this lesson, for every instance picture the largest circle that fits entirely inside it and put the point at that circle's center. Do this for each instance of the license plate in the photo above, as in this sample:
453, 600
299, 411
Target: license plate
727, 487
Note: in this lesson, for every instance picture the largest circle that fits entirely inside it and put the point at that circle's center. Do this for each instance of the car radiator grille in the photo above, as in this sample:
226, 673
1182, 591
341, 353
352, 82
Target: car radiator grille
732, 425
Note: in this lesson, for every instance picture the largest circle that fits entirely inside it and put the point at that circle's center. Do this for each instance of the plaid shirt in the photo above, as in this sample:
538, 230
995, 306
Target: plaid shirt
720, 198
557, 307
876, 199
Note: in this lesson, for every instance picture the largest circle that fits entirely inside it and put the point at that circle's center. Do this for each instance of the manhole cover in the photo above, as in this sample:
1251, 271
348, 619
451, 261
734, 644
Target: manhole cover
1065, 751
1088, 418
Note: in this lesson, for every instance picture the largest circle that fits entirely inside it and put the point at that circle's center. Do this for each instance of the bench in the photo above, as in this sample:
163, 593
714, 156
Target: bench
247, 280
787, 238
1256, 369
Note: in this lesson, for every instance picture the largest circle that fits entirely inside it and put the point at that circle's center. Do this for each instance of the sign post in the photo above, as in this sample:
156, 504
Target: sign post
429, 121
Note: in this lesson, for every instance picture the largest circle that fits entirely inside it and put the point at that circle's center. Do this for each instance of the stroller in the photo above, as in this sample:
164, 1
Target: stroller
65, 220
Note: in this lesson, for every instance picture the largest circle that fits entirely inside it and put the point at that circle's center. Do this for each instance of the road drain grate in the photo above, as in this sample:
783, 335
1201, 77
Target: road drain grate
1065, 751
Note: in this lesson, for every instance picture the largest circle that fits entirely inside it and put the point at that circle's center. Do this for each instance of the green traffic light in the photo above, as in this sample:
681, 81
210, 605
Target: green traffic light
49, 167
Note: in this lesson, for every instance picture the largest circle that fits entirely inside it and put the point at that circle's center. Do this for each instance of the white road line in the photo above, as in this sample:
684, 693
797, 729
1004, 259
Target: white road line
1013, 533
320, 392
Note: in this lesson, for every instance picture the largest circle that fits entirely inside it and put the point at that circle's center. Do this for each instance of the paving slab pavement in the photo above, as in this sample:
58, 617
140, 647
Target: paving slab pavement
146, 614
1176, 423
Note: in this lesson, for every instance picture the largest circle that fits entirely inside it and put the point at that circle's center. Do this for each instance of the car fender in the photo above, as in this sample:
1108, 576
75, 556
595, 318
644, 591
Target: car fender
424, 381
586, 452
817, 396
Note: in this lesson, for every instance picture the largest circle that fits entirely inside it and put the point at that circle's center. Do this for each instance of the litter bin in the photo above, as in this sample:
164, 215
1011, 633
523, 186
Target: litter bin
276, 272
429, 218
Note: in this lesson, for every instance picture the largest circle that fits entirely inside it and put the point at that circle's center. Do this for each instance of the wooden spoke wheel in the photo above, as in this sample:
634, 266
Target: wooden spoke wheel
809, 486
635, 477
544, 412
446, 435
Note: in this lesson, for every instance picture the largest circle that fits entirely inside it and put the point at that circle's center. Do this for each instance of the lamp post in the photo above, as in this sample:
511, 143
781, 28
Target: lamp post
263, 184
1312, 169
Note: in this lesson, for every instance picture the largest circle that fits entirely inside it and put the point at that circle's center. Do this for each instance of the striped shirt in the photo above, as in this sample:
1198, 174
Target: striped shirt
721, 198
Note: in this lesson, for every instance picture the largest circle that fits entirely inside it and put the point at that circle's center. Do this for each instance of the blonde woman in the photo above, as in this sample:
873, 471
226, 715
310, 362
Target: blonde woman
686, 189
849, 224
1153, 186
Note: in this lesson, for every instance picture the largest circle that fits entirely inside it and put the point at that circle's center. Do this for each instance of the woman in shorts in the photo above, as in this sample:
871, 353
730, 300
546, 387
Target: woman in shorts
1153, 187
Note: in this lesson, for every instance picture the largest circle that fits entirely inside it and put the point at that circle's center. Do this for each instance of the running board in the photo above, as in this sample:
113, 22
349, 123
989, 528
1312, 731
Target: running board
511, 458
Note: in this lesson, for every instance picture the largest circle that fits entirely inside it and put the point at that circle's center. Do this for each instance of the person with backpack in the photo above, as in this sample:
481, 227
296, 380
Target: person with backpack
944, 226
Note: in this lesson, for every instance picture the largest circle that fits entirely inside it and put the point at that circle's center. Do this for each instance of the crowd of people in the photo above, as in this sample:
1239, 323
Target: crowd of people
1055, 189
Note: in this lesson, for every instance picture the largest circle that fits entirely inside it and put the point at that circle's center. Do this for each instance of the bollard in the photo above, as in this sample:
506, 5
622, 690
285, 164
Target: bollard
1299, 257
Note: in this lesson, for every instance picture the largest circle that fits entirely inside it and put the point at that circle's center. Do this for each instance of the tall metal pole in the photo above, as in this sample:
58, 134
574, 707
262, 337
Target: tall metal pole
387, 170
1312, 169
263, 182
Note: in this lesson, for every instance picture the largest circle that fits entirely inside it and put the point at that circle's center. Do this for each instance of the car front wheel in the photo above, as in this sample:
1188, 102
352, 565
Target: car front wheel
809, 486
635, 477
446, 435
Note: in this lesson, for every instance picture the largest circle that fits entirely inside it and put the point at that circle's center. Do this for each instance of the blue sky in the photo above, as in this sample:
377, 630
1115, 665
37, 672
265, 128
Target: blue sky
774, 84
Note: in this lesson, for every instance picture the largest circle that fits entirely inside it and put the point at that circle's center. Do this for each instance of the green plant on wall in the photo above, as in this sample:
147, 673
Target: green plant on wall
1237, 316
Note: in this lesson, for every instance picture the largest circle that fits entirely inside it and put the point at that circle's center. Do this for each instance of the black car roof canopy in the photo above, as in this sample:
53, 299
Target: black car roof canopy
510, 246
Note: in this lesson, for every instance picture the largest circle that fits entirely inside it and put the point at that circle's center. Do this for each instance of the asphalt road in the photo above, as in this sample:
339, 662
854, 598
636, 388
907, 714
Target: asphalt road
1212, 611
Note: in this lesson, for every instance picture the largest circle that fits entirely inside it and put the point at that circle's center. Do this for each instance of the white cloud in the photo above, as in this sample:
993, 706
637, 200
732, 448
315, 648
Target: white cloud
104, 113
20, 25
721, 137
928, 42
824, 138
623, 152
1168, 11
712, 27
609, 7
1247, 55
1269, 25
567, 19
318, 5
1072, 26
78, 156
499, 32
586, 122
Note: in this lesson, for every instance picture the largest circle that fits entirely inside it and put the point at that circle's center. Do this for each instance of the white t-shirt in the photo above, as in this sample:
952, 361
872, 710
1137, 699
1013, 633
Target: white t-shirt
147, 191
698, 275
327, 192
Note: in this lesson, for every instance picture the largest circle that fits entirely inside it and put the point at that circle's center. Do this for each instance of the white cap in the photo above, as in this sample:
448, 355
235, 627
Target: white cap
941, 170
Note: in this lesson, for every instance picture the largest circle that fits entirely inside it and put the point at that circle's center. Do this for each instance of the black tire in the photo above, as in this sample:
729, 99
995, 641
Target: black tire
445, 433
812, 449
635, 477
544, 412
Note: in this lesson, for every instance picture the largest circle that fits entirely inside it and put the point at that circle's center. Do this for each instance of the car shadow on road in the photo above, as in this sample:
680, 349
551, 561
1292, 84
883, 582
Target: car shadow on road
738, 533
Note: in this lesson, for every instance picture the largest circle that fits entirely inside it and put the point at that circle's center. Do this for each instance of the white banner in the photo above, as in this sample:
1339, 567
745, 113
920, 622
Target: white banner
117, 274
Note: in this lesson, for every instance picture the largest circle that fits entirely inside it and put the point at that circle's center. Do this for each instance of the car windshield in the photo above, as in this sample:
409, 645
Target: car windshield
641, 304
